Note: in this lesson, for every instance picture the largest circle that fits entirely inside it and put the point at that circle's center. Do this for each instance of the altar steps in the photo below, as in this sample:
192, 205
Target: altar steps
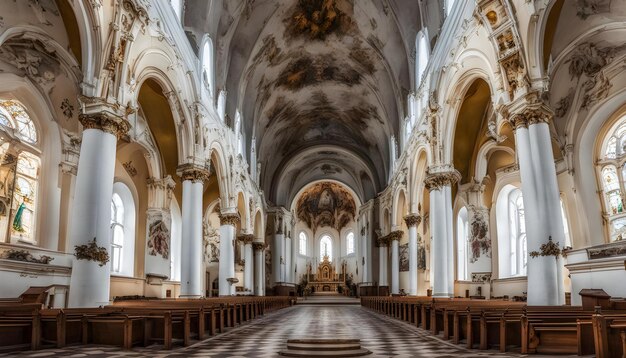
324, 348
328, 300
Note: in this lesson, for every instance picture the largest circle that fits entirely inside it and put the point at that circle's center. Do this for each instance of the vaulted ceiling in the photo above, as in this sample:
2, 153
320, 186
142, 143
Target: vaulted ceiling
320, 84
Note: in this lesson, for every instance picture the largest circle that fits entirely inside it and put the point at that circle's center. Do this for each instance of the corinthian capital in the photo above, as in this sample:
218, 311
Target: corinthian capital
438, 177
531, 114
229, 219
193, 172
245, 238
105, 122
412, 220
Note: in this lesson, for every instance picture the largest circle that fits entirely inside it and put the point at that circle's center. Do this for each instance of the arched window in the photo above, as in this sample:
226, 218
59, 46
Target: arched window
326, 248
612, 171
117, 229
18, 194
208, 69
511, 228
422, 54
462, 237
350, 243
568, 239
175, 257
517, 233
122, 230
302, 243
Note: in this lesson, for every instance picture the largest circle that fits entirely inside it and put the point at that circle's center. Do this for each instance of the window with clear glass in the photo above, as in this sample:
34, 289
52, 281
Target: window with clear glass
117, 230
350, 243
302, 243
462, 227
611, 172
517, 233
326, 248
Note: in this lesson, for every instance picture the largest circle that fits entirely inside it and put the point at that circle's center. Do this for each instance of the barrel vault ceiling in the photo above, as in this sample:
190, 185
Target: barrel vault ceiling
320, 84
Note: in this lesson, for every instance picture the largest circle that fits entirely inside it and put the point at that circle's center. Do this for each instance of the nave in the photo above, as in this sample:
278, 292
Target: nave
267, 336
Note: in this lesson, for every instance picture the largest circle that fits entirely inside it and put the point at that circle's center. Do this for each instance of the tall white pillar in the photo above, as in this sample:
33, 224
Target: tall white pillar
228, 223
542, 210
248, 268
395, 237
277, 257
412, 221
259, 264
364, 262
382, 261
439, 181
91, 222
288, 270
191, 273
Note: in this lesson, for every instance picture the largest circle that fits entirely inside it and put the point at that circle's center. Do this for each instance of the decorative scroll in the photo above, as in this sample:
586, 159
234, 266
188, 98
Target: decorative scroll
481, 277
611, 250
548, 249
92, 252
23, 255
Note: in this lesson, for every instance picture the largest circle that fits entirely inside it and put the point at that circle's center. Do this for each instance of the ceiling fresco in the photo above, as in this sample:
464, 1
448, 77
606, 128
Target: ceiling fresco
326, 204
316, 74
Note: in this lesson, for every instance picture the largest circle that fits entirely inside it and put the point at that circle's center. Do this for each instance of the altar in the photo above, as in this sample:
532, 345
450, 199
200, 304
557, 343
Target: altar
326, 279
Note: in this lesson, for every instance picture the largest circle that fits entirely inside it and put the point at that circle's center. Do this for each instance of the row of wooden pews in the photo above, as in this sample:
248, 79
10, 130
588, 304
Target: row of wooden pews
512, 326
128, 323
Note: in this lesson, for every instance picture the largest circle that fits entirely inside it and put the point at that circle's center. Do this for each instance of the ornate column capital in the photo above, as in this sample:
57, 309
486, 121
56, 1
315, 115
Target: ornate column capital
193, 172
229, 219
245, 238
395, 235
256, 245
105, 122
438, 177
530, 114
382, 241
97, 113
412, 220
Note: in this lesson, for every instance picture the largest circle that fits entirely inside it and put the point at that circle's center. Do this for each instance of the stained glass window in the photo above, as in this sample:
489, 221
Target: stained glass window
302, 244
17, 118
326, 248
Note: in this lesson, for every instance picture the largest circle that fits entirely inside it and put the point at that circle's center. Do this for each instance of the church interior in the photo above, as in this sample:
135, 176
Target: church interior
337, 178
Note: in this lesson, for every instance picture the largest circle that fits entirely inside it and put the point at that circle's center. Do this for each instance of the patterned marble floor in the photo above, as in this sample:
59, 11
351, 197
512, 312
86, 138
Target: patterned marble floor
264, 337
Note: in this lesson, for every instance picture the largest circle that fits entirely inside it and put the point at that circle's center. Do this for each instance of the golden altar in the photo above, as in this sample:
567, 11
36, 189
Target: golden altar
326, 279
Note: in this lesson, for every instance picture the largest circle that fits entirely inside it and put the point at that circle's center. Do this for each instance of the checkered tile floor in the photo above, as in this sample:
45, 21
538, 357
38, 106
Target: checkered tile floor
266, 336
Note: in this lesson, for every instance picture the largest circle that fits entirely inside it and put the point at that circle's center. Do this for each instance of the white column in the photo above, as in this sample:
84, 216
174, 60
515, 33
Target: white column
412, 221
363, 262
248, 269
277, 257
438, 182
395, 261
191, 273
288, 269
542, 211
259, 263
382, 261
89, 282
228, 222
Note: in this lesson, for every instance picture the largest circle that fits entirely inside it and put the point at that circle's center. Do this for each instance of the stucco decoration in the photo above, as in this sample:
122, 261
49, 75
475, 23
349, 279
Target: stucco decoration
32, 58
326, 204
480, 243
211, 243
586, 8
159, 239
404, 257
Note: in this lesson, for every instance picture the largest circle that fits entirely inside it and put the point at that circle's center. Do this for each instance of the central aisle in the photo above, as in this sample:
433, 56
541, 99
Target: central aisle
383, 336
